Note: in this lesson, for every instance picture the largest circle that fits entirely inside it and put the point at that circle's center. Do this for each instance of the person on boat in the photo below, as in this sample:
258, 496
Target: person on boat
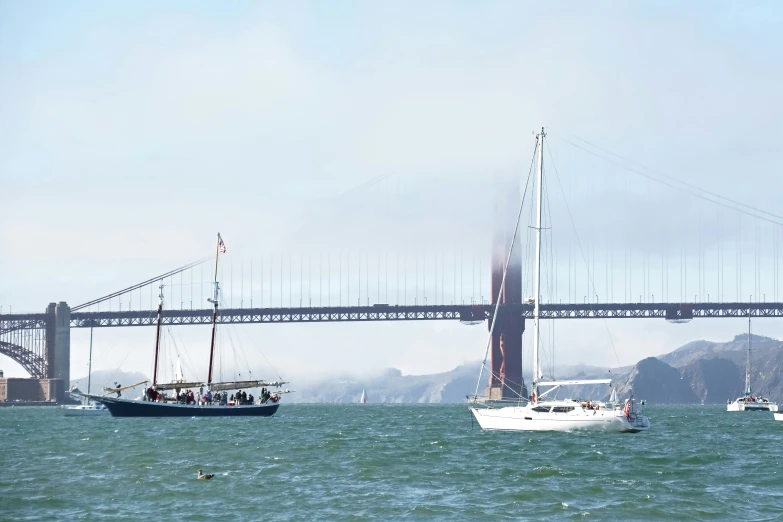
231, 399
250, 399
208, 397
118, 386
191, 398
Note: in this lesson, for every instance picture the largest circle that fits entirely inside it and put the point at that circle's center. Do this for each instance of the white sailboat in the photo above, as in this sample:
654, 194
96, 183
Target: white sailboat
87, 408
540, 413
363, 399
749, 402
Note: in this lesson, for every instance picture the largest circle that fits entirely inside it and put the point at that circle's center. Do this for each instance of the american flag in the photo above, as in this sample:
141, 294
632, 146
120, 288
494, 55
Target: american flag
627, 409
221, 245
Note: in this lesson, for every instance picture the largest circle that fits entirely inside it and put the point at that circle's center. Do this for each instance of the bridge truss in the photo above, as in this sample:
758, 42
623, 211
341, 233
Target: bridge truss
23, 337
466, 313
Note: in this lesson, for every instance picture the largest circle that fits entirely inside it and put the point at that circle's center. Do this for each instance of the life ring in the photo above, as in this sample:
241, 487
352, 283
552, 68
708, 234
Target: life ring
274, 398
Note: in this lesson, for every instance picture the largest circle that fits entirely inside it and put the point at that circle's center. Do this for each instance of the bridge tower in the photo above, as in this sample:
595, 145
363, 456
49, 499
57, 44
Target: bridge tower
58, 346
505, 380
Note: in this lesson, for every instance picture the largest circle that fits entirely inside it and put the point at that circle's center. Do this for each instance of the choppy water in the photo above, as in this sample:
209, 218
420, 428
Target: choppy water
353, 462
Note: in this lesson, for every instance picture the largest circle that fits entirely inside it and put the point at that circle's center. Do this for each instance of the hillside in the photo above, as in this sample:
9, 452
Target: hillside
698, 372
101, 378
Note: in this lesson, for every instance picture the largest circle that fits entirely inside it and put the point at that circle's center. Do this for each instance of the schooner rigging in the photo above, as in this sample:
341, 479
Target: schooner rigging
157, 404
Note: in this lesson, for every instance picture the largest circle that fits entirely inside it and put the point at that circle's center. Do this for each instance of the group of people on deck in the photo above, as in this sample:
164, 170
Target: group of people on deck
241, 398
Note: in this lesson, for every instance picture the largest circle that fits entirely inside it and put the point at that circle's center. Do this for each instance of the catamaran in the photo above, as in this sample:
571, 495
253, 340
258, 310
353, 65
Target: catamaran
543, 411
749, 402
156, 403
88, 407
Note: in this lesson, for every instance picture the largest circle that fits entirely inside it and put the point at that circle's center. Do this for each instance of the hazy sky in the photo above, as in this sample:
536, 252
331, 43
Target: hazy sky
131, 132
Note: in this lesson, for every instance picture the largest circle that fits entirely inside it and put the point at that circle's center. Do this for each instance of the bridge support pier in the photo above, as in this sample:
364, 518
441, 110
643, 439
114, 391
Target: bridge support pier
58, 346
505, 380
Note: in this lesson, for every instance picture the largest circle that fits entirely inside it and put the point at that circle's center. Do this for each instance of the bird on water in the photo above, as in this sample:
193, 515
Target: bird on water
205, 476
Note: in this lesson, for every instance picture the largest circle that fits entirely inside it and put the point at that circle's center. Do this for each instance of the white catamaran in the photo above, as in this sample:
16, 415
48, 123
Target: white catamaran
749, 402
540, 412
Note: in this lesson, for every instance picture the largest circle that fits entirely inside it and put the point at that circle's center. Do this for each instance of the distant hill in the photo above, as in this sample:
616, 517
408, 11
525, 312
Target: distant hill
391, 386
698, 372
101, 378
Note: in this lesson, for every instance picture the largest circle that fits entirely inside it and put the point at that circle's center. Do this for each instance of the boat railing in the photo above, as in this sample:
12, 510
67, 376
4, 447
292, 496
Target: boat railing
497, 403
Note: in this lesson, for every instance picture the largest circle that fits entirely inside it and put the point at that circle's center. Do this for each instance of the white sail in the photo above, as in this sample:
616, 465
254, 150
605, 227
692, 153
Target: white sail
178, 376
363, 400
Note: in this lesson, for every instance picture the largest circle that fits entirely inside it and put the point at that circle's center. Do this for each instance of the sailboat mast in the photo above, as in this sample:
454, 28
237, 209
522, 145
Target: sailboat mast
89, 362
747, 364
536, 310
214, 302
157, 337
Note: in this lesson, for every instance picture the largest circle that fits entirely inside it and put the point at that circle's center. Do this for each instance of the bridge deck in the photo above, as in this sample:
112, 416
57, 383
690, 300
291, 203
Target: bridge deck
675, 311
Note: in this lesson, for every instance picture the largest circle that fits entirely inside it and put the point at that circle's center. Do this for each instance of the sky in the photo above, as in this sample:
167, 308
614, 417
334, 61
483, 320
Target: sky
388, 132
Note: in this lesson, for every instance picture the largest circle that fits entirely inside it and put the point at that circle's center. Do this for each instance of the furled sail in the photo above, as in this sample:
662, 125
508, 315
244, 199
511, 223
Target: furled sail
237, 385
180, 385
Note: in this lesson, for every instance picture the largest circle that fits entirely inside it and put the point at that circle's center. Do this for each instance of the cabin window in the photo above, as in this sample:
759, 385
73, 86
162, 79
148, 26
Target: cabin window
562, 409
541, 409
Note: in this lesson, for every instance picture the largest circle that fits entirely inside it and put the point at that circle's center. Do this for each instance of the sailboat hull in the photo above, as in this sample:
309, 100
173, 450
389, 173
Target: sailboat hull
86, 410
135, 408
740, 405
525, 419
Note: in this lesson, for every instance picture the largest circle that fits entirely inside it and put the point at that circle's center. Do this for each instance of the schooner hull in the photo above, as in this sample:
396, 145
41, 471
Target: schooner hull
522, 419
134, 408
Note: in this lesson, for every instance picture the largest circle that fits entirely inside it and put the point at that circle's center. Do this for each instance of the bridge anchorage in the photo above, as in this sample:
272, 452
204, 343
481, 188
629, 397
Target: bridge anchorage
41, 344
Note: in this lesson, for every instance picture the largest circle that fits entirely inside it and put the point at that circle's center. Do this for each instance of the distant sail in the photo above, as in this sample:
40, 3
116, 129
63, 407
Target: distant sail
363, 400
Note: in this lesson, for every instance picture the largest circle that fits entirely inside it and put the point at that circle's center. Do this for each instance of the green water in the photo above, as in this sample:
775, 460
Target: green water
388, 462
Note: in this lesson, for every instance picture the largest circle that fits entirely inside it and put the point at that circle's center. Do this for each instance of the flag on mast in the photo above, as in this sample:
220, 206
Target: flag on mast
221, 245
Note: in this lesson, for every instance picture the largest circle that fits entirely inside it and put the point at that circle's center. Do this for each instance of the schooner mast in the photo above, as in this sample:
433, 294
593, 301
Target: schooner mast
215, 300
157, 338
221, 248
